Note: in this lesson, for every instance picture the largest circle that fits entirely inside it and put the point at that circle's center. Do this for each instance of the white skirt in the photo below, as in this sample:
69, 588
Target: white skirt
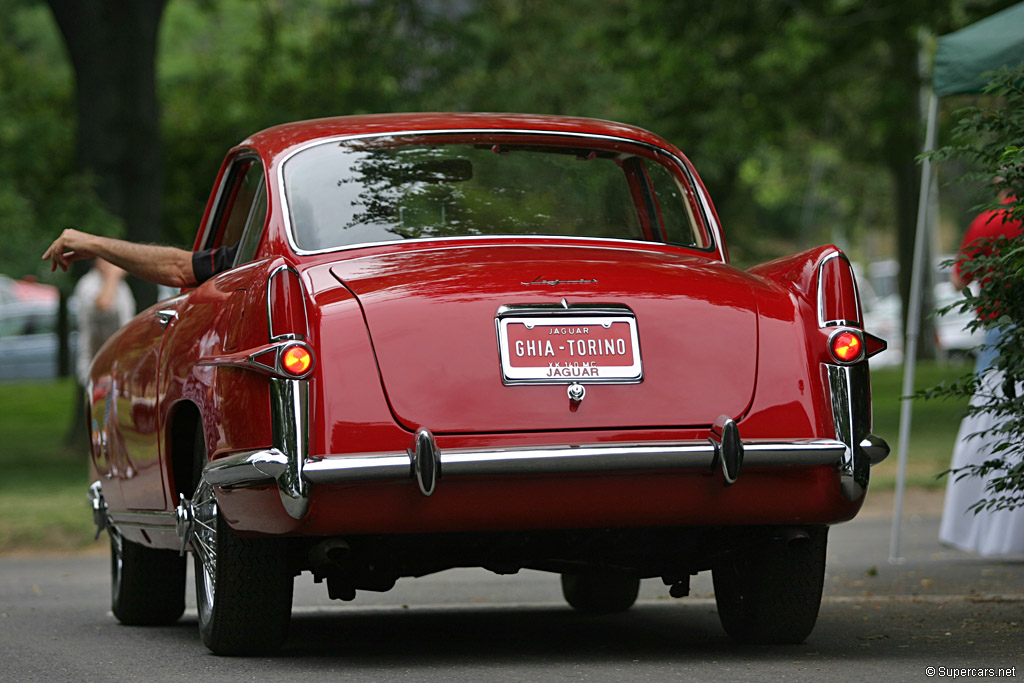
989, 533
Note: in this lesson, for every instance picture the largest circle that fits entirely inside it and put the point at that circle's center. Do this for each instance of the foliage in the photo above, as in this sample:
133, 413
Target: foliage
40, 190
801, 117
990, 137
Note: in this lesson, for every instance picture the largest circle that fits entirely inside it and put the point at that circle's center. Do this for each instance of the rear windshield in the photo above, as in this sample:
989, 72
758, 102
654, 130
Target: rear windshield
386, 189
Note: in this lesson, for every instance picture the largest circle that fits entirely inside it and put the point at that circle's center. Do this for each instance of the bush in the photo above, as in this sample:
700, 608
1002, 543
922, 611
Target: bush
989, 137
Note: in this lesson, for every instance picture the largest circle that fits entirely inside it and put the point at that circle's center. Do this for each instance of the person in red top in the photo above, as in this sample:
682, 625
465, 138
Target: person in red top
987, 225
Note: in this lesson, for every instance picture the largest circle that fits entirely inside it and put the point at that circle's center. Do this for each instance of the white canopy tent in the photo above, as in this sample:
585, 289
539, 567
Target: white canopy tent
960, 62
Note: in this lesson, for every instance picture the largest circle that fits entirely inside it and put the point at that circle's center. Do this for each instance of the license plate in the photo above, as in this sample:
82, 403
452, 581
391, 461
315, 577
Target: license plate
555, 350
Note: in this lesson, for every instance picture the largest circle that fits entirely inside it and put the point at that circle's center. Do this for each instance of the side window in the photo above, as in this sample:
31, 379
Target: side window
244, 183
253, 227
674, 208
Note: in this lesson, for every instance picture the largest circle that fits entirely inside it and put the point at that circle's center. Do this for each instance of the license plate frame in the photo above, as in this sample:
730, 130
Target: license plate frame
585, 345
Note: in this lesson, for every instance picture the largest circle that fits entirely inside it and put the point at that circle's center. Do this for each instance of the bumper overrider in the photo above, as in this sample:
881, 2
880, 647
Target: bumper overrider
853, 450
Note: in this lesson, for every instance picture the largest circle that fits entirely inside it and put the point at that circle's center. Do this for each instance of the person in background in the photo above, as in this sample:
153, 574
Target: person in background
102, 302
987, 532
986, 227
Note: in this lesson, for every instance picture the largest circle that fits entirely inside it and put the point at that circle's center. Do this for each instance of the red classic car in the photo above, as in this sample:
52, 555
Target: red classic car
501, 341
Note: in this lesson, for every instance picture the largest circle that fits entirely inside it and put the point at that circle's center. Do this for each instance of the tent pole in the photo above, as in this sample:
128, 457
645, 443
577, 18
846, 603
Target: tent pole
913, 329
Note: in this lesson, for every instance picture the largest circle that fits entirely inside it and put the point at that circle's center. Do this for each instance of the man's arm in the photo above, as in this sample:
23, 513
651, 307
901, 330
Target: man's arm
160, 264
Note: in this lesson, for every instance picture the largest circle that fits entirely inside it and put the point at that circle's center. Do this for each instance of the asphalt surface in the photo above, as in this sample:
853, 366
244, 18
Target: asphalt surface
940, 608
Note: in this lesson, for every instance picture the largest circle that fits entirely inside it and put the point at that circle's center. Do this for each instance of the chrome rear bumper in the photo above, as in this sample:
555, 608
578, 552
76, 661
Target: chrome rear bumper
258, 468
288, 464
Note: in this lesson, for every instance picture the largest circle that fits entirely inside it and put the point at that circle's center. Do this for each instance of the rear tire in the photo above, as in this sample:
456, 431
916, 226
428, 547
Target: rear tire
147, 585
243, 585
773, 596
600, 592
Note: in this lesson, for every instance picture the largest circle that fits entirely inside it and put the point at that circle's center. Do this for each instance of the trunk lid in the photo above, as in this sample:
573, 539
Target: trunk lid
431, 315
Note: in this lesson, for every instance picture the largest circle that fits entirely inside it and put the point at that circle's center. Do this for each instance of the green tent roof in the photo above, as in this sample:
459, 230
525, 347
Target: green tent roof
987, 45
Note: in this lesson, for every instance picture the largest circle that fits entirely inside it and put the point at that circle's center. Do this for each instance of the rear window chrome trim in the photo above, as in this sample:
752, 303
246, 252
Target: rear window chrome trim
707, 216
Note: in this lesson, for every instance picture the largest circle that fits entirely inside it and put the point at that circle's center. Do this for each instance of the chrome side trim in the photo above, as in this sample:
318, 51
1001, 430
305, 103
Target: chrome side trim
262, 467
158, 520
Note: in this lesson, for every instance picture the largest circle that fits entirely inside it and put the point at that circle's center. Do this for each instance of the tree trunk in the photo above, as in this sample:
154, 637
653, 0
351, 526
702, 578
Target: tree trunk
903, 144
112, 46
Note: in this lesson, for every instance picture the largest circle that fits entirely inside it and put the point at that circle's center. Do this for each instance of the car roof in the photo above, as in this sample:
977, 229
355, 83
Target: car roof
278, 139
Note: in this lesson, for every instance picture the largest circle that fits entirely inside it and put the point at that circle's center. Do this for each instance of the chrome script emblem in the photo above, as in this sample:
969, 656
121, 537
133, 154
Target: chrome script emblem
551, 283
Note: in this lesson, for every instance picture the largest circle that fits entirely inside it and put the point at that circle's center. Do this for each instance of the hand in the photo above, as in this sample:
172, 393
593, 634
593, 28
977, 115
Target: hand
71, 246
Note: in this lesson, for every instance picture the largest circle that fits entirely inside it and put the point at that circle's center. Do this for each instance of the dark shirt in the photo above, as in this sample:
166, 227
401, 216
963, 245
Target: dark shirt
209, 262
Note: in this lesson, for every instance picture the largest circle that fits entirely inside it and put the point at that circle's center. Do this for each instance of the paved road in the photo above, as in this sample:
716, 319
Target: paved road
878, 622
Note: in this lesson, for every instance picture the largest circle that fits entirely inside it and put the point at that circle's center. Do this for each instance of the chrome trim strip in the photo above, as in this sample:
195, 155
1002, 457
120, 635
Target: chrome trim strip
249, 359
270, 316
250, 467
364, 467
259, 467
851, 413
289, 411
714, 229
240, 155
821, 301
143, 519
563, 309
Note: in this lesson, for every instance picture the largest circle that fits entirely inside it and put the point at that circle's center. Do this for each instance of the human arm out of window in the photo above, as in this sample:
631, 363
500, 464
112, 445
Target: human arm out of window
153, 262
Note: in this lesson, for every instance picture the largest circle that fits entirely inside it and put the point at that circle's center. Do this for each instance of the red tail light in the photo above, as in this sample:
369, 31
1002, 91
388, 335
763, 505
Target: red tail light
837, 293
846, 346
286, 305
296, 360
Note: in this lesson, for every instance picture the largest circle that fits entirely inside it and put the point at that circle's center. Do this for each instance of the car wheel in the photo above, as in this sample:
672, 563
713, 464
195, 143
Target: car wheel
773, 596
243, 585
600, 592
147, 585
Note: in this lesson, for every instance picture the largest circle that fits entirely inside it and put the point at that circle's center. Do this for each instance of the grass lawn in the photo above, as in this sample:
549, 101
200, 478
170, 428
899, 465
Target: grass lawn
43, 503
934, 424
43, 489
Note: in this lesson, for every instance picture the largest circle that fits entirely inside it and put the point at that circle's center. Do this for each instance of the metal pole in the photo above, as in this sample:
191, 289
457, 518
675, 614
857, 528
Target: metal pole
913, 329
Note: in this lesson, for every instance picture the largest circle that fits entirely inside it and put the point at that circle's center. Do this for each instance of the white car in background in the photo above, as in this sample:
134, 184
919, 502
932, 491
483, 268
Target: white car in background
28, 330
883, 310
